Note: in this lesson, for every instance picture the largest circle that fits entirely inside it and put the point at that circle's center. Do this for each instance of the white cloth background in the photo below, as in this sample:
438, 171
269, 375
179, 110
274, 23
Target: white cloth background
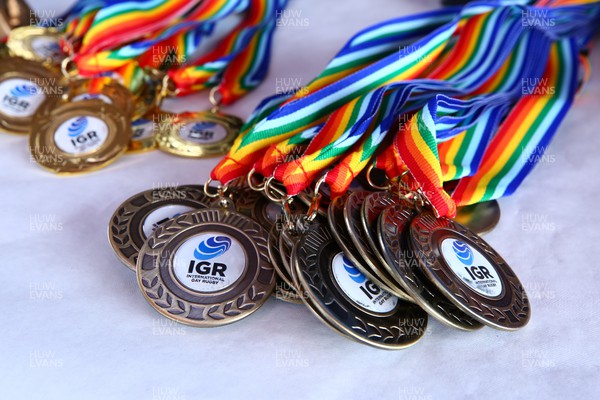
74, 325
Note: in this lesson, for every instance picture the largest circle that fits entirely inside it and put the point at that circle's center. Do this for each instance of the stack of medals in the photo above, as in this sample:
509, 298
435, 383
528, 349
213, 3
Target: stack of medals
363, 195
92, 90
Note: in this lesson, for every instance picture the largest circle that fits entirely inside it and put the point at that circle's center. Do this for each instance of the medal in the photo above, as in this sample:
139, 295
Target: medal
206, 268
204, 134
480, 218
143, 136
350, 302
354, 225
24, 85
140, 215
36, 44
469, 272
79, 137
392, 224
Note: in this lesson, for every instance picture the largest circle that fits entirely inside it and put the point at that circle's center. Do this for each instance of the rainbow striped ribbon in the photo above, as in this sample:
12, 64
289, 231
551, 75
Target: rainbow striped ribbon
524, 135
183, 34
121, 22
312, 109
480, 65
363, 49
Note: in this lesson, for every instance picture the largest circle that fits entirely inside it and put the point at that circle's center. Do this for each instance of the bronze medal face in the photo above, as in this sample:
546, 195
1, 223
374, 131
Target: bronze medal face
24, 86
143, 136
337, 226
354, 225
206, 268
204, 134
140, 215
480, 218
348, 300
469, 272
392, 227
79, 137
36, 44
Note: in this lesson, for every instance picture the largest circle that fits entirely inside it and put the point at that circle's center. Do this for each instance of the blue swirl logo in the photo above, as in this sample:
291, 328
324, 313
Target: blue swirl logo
463, 252
24, 91
78, 126
200, 126
212, 247
354, 273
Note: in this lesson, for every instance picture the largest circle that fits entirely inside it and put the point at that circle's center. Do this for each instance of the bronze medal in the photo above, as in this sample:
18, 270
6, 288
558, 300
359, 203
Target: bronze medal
206, 268
348, 300
469, 272
392, 237
140, 215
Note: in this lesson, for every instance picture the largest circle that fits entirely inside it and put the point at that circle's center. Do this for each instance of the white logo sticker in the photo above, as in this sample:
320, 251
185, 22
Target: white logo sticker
471, 267
20, 97
47, 47
204, 132
162, 214
359, 289
209, 262
92, 96
80, 135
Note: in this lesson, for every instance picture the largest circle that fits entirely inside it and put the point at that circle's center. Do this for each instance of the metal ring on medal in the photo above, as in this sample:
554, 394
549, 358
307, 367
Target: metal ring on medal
206, 268
138, 216
204, 134
348, 300
469, 272
392, 228
79, 137
354, 225
24, 86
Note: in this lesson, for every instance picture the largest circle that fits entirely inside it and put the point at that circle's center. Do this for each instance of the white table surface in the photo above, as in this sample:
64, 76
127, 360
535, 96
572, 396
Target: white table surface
74, 325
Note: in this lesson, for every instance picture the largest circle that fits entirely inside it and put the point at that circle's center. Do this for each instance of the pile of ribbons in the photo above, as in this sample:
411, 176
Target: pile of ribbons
471, 94
155, 49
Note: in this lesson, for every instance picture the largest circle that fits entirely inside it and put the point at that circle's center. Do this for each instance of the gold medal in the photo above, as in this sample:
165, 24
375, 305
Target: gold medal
143, 136
36, 44
79, 137
203, 134
111, 93
24, 86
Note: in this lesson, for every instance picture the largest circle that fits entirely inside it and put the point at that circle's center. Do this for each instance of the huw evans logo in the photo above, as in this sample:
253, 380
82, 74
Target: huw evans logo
202, 131
463, 252
78, 126
353, 273
208, 249
24, 91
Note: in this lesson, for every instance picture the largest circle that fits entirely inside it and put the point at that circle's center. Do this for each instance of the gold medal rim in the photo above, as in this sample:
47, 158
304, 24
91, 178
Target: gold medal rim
170, 141
44, 128
19, 42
